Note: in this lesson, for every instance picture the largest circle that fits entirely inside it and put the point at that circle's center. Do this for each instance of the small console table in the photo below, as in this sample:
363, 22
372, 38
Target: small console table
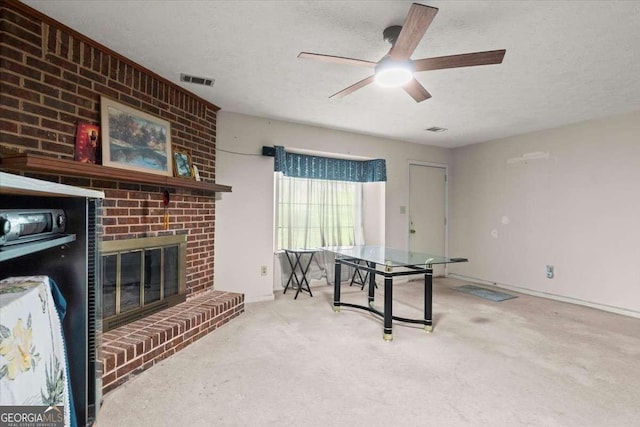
299, 266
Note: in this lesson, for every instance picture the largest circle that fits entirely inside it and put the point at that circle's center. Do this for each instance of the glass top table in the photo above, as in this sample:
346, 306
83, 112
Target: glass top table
390, 257
396, 262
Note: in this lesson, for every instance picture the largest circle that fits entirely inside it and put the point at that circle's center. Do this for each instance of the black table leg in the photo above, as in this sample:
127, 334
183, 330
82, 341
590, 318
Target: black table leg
356, 277
336, 286
388, 315
293, 271
428, 300
372, 282
304, 271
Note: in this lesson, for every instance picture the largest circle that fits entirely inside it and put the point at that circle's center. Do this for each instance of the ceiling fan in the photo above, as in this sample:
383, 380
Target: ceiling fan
396, 68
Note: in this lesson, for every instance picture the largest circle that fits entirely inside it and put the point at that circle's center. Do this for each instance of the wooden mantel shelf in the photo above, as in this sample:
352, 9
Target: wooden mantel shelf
51, 165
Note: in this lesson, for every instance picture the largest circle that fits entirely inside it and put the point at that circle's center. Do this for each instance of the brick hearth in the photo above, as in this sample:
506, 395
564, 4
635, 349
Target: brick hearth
53, 78
135, 347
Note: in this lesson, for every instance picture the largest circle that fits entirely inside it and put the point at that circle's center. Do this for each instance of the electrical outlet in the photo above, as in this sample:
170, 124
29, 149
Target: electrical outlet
549, 271
263, 270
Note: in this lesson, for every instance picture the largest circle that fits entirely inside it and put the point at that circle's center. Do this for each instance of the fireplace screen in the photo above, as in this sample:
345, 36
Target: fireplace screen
141, 276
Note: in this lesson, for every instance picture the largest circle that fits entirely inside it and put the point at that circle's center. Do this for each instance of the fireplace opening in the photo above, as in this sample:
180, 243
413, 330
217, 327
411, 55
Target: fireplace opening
141, 276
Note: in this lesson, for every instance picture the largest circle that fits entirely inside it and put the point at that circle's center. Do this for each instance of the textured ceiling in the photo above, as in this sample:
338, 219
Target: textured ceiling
566, 62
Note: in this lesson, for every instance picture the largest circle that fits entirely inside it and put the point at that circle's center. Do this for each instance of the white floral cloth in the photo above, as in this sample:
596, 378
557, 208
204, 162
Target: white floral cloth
33, 365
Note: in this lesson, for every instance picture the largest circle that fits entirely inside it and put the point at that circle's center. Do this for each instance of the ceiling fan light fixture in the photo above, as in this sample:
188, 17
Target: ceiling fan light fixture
396, 68
390, 73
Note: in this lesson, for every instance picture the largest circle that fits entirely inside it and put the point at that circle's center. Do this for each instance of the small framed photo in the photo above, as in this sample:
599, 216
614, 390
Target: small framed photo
182, 164
87, 138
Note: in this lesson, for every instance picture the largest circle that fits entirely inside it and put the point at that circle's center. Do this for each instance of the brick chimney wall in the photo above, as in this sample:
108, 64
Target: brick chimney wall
51, 77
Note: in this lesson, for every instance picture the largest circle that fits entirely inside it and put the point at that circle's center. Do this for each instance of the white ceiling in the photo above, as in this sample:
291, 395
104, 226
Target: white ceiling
566, 61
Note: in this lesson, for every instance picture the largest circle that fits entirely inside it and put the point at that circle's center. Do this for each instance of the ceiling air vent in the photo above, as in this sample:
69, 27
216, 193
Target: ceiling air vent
205, 81
435, 129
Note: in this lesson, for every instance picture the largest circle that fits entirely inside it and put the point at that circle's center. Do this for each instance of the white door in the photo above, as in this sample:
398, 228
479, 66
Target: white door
427, 213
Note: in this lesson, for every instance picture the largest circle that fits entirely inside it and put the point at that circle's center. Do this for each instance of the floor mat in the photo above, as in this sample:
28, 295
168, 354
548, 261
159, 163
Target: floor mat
485, 293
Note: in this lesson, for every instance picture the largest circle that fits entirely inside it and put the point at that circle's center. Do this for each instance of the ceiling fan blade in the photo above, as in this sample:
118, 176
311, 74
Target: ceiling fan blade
337, 59
353, 88
462, 60
414, 27
416, 90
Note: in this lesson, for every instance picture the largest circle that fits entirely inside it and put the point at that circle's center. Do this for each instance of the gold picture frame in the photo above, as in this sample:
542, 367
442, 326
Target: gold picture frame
134, 140
182, 164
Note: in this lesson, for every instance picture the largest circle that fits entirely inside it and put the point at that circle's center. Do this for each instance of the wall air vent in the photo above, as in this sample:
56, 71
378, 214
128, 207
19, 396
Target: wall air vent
205, 81
435, 129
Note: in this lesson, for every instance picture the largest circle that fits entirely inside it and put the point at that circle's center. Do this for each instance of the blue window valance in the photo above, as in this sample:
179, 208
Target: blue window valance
304, 166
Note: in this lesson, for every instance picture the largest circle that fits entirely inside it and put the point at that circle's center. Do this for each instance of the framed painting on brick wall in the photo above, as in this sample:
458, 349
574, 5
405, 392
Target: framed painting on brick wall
134, 140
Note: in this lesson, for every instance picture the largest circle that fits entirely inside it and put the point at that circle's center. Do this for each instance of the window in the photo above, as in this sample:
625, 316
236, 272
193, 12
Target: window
311, 213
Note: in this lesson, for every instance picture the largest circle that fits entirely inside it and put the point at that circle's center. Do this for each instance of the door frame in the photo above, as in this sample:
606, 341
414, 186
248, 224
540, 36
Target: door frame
446, 204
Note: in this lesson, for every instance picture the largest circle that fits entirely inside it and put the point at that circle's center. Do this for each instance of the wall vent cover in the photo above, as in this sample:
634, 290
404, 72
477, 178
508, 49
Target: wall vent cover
436, 129
205, 81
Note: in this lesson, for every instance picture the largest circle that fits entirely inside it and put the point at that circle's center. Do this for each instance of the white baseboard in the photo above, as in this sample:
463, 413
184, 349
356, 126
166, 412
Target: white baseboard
603, 307
258, 298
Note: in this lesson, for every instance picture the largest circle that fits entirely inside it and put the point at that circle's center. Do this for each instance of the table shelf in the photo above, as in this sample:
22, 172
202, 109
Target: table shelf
8, 252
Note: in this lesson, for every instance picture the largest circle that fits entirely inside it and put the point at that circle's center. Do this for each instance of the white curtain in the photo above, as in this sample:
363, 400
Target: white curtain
311, 213
314, 212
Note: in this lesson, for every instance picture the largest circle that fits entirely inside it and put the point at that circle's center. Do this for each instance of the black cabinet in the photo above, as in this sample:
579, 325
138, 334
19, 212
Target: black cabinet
71, 260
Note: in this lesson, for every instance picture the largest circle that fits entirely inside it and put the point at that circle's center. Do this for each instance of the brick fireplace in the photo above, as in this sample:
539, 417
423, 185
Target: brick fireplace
52, 77
140, 277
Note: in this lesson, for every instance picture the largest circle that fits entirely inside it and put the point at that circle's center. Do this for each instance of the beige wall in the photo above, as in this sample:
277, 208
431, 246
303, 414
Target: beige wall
244, 218
578, 210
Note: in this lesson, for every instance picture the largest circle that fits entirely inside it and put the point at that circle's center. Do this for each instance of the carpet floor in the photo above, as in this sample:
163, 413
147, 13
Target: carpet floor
527, 361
